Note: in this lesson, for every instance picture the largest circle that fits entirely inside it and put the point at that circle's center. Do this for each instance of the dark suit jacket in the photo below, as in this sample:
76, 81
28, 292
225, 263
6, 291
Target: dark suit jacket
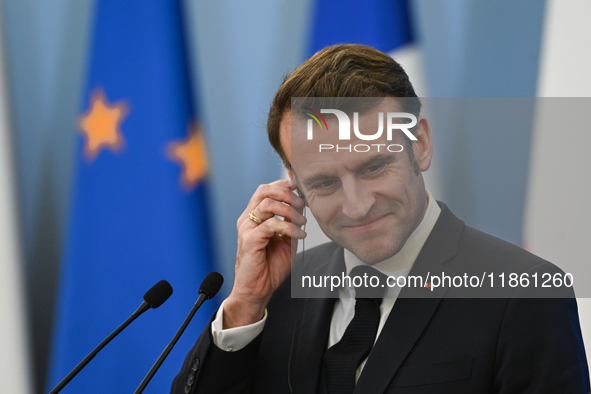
437, 344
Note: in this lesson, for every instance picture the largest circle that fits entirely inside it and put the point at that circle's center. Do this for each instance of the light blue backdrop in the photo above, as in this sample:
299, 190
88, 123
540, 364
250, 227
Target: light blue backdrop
475, 48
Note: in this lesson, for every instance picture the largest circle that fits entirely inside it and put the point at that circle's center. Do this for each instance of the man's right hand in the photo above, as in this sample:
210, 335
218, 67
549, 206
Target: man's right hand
265, 251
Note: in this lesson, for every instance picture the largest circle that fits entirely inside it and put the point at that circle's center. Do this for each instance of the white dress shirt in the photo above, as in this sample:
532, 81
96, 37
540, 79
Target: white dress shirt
233, 339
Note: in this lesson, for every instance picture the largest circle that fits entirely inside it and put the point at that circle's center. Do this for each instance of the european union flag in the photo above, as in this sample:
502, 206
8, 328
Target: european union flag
139, 209
382, 24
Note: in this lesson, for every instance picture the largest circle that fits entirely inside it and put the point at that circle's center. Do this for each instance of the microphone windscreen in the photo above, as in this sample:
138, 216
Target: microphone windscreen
158, 294
211, 284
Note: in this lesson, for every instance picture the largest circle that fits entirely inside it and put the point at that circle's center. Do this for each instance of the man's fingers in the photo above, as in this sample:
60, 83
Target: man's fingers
274, 226
268, 208
278, 191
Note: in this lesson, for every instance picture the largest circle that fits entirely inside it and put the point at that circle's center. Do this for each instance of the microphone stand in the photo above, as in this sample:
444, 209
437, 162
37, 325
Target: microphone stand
142, 308
200, 300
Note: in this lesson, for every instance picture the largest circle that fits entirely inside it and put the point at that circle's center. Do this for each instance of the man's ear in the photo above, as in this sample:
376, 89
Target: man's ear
297, 190
423, 147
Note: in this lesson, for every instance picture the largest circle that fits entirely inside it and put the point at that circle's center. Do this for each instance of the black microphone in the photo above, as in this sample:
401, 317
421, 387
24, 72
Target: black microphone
152, 299
208, 289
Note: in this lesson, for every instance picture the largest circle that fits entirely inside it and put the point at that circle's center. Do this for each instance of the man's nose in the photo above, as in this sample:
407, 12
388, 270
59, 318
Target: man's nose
357, 200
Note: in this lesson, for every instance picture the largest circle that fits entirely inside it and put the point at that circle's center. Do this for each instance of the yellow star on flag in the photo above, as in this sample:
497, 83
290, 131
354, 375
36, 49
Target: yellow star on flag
191, 154
100, 125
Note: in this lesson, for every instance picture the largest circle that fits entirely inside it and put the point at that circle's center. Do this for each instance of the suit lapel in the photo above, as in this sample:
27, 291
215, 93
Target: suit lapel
311, 331
309, 344
414, 307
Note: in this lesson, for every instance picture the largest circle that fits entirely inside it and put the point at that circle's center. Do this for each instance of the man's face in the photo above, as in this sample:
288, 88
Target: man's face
367, 202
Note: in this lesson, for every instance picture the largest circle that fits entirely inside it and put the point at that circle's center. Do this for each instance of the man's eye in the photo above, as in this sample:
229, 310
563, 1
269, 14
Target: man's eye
325, 184
374, 168
326, 187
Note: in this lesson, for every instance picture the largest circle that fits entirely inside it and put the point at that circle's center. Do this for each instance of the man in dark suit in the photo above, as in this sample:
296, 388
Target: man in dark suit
462, 337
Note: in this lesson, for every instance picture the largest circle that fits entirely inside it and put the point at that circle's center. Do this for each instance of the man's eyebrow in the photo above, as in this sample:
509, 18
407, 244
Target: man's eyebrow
308, 182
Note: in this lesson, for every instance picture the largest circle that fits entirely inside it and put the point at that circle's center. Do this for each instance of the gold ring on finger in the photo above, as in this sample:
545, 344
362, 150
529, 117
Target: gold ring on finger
254, 218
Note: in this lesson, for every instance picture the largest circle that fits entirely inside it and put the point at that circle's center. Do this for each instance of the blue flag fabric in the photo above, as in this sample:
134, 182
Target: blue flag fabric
382, 24
139, 209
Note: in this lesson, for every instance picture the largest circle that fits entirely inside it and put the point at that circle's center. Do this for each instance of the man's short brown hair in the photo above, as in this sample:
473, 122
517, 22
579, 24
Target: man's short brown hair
344, 70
